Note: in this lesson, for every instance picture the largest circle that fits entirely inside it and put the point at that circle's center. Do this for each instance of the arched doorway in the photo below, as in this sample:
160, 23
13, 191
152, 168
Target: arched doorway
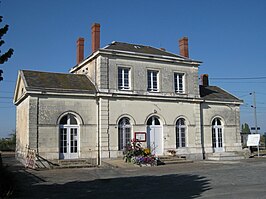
217, 135
68, 137
124, 133
155, 136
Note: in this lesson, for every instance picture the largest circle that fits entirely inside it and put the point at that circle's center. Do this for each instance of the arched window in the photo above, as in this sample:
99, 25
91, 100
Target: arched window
216, 122
180, 133
153, 121
124, 133
217, 134
68, 119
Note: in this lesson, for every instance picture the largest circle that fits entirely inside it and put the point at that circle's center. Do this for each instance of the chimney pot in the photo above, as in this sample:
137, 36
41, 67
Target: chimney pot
95, 37
183, 47
80, 50
204, 79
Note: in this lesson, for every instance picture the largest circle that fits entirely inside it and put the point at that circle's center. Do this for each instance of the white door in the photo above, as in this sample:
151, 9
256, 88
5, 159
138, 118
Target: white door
155, 136
155, 139
68, 143
217, 136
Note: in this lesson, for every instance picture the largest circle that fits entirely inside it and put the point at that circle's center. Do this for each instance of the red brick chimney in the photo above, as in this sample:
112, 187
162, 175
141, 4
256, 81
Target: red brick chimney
95, 37
80, 50
204, 79
183, 47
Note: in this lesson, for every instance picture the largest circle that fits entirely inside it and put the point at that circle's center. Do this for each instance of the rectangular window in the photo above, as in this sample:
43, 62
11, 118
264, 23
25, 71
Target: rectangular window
180, 137
179, 82
123, 78
153, 83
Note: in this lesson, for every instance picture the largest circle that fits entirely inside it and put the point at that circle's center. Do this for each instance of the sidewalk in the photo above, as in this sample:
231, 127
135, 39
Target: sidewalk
117, 163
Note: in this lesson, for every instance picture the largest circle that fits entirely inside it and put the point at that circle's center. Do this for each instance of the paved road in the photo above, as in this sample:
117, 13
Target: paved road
241, 179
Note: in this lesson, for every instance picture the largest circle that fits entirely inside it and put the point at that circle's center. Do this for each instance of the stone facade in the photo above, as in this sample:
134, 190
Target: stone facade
68, 120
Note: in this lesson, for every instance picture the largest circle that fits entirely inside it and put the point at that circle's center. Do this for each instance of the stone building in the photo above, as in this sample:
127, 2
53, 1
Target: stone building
120, 92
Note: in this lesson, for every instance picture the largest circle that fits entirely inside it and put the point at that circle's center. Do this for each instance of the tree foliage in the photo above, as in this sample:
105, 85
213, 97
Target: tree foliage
5, 56
8, 144
245, 128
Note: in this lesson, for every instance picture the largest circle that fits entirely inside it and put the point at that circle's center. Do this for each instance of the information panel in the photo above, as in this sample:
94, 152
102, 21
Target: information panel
253, 140
140, 136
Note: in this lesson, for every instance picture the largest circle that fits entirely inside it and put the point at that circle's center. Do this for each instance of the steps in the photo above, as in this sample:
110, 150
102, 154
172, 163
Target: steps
174, 160
75, 163
223, 156
60, 164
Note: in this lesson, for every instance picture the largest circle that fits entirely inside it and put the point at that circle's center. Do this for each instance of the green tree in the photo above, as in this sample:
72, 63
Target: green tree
5, 56
245, 128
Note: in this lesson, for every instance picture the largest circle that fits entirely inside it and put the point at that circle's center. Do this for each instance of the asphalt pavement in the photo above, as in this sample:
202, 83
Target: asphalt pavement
201, 179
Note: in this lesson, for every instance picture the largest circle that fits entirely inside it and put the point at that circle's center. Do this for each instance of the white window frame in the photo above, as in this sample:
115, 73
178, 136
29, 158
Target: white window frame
124, 133
153, 86
123, 85
181, 133
177, 82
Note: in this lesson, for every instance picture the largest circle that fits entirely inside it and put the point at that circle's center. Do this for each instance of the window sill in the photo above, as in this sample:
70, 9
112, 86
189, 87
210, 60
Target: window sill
180, 93
124, 89
150, 91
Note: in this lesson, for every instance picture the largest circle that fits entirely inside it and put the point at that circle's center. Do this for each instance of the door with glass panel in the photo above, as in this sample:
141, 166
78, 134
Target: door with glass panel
217, 135
68, 137
155, 136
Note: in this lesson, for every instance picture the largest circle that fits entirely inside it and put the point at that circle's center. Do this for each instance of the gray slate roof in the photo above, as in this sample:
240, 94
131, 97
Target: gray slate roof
140, 49
59, 81
215, 93
80, 83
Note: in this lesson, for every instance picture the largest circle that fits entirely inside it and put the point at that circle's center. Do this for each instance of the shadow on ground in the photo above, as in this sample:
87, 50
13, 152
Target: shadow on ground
166, 186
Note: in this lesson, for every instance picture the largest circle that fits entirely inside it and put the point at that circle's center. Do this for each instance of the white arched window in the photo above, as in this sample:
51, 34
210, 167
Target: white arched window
180, 133
153, 121
124, 133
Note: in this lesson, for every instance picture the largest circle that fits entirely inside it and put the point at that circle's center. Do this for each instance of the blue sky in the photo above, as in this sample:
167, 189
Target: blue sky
227, 35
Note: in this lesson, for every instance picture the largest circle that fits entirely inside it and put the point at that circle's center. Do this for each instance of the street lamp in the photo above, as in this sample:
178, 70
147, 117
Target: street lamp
255, 111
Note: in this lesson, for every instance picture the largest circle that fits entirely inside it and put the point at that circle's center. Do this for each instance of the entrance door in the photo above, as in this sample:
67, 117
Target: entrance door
155, 136
217, 135
68, 143
68, 137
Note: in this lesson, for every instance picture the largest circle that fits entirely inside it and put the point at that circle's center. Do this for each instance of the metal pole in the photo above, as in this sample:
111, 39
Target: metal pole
255, 111
265, 140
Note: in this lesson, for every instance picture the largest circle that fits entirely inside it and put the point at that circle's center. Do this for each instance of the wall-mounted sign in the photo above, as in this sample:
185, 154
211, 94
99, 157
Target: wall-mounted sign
140, 136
